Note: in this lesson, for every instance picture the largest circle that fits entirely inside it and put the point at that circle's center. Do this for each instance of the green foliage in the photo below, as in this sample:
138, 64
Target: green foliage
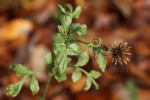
48, 58
95, 74
101, 61
65, 20
76, 12
73, 49
83, 59
14, 89
78, 29
98, 51
58, 75
66, 8
76, 75
34, 85
65, 47
61, 61
88, 84
20, 70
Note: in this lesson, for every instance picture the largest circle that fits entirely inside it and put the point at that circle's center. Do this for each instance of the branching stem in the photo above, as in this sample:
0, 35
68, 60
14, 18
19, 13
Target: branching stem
46, 88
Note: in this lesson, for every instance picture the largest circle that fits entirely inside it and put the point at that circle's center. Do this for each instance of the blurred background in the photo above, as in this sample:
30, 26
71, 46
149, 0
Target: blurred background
26, 31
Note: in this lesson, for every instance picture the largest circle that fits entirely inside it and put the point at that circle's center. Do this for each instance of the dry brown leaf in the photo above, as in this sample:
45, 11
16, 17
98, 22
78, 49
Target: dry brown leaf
15, 29
139, 74
142, 49
143, 94
125, 7
5, 56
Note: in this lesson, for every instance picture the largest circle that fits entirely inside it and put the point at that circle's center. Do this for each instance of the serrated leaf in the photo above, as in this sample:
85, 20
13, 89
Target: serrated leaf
61, 77
61, 61
88, 84
73, 49
79, 29
65, 20
83, 59
83, 30
59, 38
69, 7
48, 58
76, 75
98, 50
58, 47
20, 70
61, 29
14, 89
95, 74
62, 9
101, 61
77, 12
34, 85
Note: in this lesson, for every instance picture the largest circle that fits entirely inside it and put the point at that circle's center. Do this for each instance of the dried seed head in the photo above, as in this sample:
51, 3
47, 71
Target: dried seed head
120, 53
96, 42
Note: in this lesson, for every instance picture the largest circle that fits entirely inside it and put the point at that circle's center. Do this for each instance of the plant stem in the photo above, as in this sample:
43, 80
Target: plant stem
40, 69
86, 43
46, 88
87, 74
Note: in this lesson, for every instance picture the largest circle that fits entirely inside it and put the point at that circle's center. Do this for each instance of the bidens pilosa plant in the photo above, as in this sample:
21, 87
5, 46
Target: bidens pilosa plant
65, 46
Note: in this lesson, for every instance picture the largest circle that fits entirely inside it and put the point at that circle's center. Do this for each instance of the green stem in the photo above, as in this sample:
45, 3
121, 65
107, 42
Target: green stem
83, 42
87, 74
46, 88
40, 69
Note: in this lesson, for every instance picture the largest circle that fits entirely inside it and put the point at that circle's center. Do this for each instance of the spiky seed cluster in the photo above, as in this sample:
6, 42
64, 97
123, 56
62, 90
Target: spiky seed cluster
120, 53
96, 42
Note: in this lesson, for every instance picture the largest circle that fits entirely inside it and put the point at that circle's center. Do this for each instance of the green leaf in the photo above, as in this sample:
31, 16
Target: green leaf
14, 89
61, 29
65, 20
60, 38
59, 43
58, 47
48, 58
78, 29
88, 84
61, 61
83, 59
69, 7
73, 49
76, 75
61, 77
59, 74
95, 74
20, 70
95, 84
34, 85
101, 61
77, 12
62, 9
98, 50
83, 30
68, 60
